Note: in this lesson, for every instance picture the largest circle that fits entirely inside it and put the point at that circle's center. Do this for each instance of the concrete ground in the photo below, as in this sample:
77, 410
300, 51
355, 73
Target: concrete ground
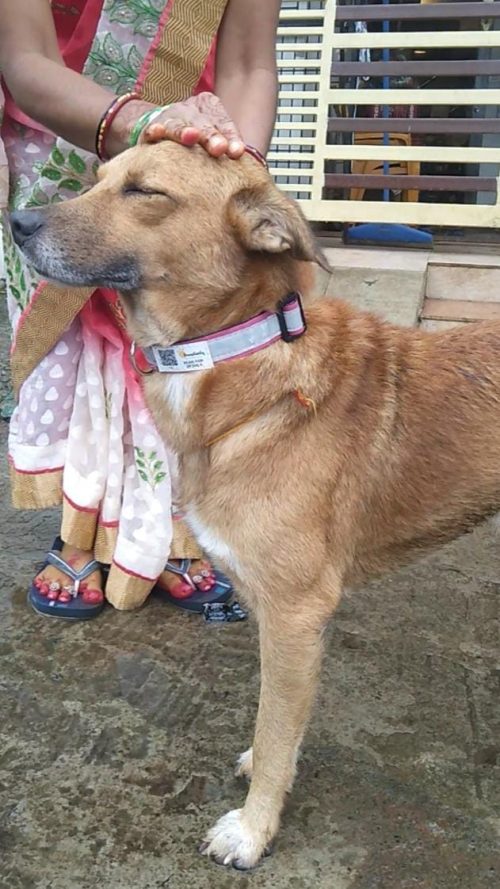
117, 738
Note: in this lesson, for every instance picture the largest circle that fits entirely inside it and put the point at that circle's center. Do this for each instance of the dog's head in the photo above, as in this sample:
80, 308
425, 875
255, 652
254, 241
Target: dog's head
175, 231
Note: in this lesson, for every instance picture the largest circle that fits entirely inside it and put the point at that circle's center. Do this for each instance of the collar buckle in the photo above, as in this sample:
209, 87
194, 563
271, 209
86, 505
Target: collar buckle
287, 320
135, 358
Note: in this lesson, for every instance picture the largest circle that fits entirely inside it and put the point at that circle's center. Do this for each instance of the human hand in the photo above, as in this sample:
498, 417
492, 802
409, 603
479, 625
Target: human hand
199, 120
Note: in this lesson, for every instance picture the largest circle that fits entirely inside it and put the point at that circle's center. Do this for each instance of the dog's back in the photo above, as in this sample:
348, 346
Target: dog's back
413, 419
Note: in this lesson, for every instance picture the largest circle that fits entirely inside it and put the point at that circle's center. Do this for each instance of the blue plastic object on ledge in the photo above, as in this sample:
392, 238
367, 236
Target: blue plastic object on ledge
387, 233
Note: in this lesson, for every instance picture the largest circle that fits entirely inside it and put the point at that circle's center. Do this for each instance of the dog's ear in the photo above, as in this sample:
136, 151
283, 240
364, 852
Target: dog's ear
266, 221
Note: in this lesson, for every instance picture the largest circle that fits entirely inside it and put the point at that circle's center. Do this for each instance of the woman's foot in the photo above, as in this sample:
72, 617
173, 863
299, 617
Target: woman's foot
69, 584
61, 587
192, 585
198, 575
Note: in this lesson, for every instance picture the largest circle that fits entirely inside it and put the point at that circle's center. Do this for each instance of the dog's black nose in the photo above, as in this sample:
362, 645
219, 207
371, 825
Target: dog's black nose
24, 224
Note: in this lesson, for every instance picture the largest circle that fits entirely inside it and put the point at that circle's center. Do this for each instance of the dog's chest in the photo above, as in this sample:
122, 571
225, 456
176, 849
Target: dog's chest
178, 392
211, 541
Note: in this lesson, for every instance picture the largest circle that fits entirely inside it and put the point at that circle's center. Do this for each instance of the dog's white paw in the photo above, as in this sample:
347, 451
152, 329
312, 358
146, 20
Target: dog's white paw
244, 765
231, 842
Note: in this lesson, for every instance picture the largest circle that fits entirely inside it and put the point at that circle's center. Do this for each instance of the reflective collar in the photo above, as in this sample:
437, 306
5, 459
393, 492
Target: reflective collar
287, 323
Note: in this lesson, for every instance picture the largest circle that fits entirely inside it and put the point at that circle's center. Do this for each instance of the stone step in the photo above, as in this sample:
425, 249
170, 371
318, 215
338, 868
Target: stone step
465, 283
457, 310
395, 295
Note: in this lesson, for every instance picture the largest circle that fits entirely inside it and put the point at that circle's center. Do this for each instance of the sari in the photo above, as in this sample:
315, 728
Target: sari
4, 173
81, 434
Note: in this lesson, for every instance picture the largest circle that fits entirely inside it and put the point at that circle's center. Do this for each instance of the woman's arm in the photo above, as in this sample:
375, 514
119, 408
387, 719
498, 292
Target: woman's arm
42, 87
71, 105
246, 87
246, 78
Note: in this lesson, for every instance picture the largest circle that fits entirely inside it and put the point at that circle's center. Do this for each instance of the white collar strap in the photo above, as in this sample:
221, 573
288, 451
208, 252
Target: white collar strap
287, 323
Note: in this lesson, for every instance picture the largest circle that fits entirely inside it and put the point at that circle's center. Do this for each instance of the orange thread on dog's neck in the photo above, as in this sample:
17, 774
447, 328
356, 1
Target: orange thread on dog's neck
305, 401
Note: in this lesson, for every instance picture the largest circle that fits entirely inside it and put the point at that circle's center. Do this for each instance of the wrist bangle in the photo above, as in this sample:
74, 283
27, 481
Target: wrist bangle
106, 121
249, 149
143, 121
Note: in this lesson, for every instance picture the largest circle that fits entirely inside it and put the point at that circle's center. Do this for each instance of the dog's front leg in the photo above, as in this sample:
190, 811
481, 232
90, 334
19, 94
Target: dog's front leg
290, 644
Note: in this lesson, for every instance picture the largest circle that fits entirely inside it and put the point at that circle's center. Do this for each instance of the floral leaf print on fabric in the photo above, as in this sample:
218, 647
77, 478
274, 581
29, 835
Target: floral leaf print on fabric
57, 157
21, 281
111, 50
20, 189
76, 162
149, 468
39, 197
141, 15
134, 60
71, 184
51, 173
64, 170
109, 65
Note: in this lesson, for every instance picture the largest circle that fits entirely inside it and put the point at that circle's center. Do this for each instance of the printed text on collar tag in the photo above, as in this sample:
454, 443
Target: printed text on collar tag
183, 358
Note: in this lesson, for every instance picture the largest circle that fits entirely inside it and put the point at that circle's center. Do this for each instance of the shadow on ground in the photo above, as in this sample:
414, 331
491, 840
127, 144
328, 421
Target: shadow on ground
117, 737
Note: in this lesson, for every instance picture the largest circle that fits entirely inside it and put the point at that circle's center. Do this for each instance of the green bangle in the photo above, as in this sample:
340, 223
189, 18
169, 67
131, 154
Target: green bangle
144, 121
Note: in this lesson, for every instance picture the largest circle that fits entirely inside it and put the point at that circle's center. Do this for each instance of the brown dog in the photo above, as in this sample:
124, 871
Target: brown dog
306, 466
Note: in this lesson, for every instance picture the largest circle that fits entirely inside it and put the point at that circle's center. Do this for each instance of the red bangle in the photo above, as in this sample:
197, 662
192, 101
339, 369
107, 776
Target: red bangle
106, 121
257, 155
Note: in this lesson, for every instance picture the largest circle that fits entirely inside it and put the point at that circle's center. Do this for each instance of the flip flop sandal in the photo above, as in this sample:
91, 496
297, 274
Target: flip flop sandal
194, 593
67, 601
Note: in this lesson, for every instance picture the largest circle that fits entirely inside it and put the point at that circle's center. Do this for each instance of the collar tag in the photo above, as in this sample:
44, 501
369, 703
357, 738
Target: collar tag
183, 357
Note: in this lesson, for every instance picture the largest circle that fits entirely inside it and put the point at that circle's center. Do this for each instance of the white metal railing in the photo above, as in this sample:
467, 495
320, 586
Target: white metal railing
301, 148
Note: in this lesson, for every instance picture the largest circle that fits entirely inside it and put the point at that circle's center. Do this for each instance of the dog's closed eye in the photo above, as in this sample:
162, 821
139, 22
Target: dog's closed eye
143, 191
